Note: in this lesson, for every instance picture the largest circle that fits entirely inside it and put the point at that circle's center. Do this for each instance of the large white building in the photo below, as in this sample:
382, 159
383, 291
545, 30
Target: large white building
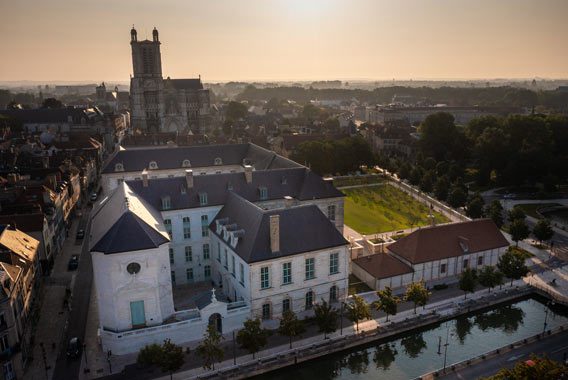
158, 246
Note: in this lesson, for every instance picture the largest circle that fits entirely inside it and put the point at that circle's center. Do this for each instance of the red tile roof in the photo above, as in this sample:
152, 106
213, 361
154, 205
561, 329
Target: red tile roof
450, 240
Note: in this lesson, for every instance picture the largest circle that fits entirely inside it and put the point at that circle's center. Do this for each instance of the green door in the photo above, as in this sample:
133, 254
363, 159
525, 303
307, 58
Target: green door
137, 313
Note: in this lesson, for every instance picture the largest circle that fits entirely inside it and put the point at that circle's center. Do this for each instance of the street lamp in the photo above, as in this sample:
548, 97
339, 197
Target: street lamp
446, 346
109, 354
549, 303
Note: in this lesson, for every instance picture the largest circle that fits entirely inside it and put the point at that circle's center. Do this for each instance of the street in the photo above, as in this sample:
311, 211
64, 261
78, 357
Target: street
555, 347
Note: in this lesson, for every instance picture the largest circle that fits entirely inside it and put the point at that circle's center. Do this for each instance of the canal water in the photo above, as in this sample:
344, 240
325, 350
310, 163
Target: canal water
415, 353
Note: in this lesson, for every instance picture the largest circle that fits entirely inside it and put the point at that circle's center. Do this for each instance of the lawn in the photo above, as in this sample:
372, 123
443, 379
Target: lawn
384, 208
530, 208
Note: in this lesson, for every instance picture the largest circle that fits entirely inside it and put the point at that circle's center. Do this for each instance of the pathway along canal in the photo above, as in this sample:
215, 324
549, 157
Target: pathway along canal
415, 353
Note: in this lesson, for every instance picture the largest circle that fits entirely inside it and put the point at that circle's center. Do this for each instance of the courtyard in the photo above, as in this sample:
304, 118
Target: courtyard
383, 208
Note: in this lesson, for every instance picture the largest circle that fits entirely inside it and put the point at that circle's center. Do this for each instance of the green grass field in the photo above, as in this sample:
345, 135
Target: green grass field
384, 208
530, 208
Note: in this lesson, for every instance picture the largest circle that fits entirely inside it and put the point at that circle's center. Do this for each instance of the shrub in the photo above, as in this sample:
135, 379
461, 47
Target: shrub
440, 286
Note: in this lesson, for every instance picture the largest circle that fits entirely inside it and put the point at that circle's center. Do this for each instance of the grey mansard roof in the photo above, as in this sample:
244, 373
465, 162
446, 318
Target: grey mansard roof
299, 183
302, 229
136, 160
122, 223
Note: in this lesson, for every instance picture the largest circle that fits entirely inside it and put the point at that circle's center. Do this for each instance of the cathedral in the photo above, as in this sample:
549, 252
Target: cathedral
164, 105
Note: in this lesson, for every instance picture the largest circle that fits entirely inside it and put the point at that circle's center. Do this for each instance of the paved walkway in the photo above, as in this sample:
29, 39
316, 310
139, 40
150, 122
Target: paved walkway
53, 316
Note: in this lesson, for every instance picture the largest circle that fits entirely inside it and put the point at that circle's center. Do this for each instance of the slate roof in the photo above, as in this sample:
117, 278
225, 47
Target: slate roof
186, 84
382, 265
299, 183
123, 222
450, 240
302, 229
199, 156
51, 115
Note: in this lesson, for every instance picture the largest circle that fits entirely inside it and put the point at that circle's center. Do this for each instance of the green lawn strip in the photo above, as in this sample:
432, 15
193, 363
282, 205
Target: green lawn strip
530, 208
380, 209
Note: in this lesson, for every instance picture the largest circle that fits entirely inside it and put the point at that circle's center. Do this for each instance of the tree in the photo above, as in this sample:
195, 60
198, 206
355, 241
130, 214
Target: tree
543, 230
168, 356
387, 302
490, 277
235, 111
441, 188
457, 197
474, 208
358, 310
326, 318
209, 349
468, 279
519, 230
427, 181
415, 175
51, 103
252, 337
512, 264
495, 212
291, 326
536, 367
417, 293
516, 213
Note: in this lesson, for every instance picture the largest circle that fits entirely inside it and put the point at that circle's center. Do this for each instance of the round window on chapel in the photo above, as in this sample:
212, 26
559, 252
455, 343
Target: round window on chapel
133, 268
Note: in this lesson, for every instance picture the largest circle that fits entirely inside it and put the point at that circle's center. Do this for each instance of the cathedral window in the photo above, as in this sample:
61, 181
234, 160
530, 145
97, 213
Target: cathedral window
153, 165
186, 164
133, 268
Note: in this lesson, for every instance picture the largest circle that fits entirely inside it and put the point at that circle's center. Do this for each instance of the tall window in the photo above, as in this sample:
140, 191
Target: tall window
334, 263
219, 252
310, 268
203, 199
4, 344
189, 274
204, 225
233, 265
266, 311
264, 278
331, 212
171, 251
188, 254
480, 260
333, 294
205, 251
242, 273
166, 203
168, 226
207, 271
443, 268
465, 263
286, 273
225, 260
173, 274
186, 228
263, 193
309, 300
285, 304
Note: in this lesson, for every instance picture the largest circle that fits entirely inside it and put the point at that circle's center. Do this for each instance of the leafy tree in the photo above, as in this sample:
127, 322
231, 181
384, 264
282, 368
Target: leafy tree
358, 310
516, 213
441, 188
512, 265
168, 356
209, 349
536, 367
252, 337
235, 111
404, 170
543, 230
291, 326
440, 138
474, 208
519, 230
417, 293
429, 164
457, 197
467, 282
490, 277
311, 112
415, 176
495, 212
149, 355
326, 318
387, 302
51, 103
427, 181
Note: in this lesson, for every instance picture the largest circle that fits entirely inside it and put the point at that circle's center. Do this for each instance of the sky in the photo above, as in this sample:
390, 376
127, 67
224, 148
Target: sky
222, 40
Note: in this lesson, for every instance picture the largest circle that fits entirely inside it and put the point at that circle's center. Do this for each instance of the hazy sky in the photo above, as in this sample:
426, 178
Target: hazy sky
287, 39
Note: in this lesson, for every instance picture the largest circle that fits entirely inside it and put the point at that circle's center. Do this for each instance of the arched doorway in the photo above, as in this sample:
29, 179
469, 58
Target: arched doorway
216, 320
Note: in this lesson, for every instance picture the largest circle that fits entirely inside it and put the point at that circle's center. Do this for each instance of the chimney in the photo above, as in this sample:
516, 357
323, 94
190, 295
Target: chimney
275, 233
288, 201
189, 178
145, 178
248, 173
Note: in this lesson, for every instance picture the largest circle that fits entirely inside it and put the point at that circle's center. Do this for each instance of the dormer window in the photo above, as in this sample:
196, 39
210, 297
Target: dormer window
263, 193
203, 199
229, 186
166, 202
118, 167
186, 164
153, 165
284, 181
218, 161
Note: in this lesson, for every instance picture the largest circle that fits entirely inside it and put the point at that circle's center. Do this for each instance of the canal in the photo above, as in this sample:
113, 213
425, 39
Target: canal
414, 353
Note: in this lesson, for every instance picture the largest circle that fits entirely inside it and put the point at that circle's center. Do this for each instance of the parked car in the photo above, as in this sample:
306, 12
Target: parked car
80, 234
94, 196
74, 348
73, 263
